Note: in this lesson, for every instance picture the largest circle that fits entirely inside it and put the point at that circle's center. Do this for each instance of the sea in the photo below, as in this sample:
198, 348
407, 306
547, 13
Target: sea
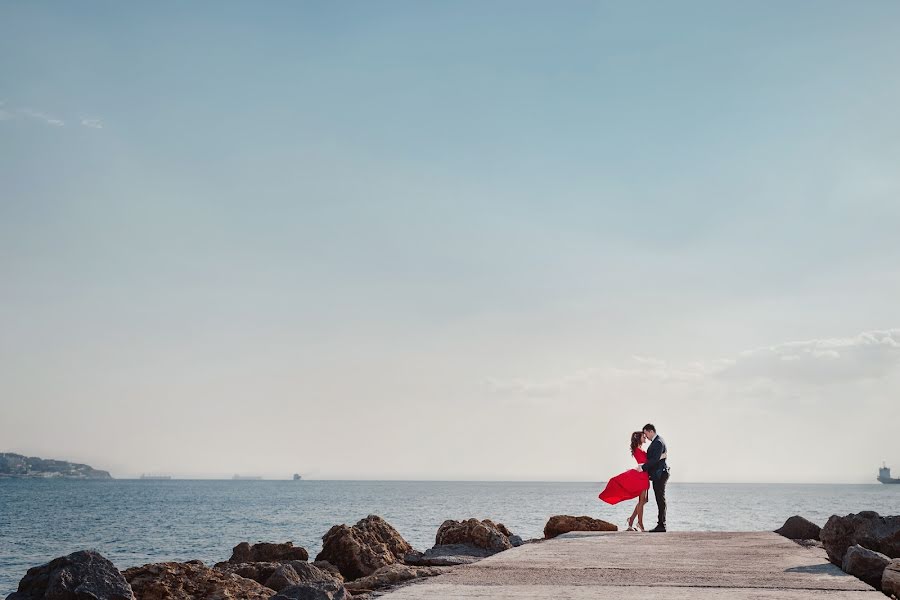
134, 522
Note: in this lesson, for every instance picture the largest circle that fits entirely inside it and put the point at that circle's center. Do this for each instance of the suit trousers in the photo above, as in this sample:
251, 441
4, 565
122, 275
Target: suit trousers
659, 490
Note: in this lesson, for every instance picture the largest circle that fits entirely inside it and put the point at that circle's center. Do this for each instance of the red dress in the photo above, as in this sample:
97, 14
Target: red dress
627, 485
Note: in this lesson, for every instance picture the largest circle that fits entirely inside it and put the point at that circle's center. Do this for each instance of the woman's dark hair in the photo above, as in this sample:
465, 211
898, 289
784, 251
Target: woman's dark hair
636, 439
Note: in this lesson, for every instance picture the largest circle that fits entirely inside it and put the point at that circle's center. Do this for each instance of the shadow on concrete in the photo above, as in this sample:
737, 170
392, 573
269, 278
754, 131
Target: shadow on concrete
825, 569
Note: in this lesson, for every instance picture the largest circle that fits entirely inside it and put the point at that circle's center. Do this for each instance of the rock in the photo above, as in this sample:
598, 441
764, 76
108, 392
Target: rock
868, 529
564, 524
81, 575
187, 581
809, 543
798, 528
865, 564
890, 579
284, 576
516, 540
267, 552
299, 572
481, 534
328, 567
447, 555
313, 591
392, 575
258, 571
364, 548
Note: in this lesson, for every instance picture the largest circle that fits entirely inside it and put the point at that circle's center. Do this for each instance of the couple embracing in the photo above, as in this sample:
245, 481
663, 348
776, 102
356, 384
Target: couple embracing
635, 483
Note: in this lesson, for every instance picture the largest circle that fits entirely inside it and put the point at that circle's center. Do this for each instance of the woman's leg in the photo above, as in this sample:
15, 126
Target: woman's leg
639, 509
634, 513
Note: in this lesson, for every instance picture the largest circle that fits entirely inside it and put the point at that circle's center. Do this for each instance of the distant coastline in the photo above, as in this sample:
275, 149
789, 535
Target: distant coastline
18, 466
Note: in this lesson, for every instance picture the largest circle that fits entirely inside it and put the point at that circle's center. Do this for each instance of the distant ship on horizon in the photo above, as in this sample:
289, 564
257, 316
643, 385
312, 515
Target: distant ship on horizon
297, 477
884, 475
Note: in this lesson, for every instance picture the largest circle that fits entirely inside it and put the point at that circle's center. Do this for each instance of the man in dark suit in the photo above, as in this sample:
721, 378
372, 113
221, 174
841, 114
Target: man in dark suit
658, 470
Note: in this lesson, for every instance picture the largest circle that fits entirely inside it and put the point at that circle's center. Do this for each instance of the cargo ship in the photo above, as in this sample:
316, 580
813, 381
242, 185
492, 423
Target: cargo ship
884, 475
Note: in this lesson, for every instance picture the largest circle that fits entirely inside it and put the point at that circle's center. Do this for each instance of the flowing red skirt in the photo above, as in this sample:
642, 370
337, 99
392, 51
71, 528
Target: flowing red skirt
625, 486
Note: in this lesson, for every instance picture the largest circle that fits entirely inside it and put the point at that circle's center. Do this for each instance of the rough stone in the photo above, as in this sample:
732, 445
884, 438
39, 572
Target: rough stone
481, 534
257, 571
798, 528
364, 548
328, 567
890, 579
267, 552
865, 564
391, 575
868, 529
447, 555
83, 575
296, 573
322, 590
190, 581
559, 524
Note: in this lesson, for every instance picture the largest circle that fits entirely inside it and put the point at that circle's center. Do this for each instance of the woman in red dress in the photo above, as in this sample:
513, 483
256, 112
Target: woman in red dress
631, 484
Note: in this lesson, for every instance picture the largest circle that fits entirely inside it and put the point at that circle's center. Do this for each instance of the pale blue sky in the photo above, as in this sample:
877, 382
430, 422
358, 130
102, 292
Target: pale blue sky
445, 225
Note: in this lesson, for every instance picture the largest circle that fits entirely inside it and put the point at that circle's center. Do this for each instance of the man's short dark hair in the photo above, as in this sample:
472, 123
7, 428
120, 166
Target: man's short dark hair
650, 427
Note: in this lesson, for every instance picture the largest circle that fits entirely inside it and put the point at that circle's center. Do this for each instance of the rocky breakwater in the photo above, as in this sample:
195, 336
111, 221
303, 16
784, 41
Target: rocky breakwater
79, 576
464, 542
864, 545
373, 556
255, 572
186, 581
276, 565
370, 556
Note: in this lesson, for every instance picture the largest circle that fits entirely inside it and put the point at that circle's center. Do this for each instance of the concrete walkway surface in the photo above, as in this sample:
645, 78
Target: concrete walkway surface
626, 566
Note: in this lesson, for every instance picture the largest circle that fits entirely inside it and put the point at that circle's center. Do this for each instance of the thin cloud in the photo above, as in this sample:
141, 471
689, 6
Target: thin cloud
92, 123
42, 116
866, 356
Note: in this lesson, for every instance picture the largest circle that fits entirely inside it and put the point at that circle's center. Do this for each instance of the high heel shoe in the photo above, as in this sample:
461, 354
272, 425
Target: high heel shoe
631, 525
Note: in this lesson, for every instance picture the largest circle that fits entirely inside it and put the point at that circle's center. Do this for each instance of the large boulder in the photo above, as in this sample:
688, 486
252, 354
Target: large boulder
191, 581
560, 524
865, 564
328, 568
257, 571
83, 575
391, 575
323, 590
798, 528
267, 552
890, 579
364, 548
481, 534
868, 529
297, 573
447, 555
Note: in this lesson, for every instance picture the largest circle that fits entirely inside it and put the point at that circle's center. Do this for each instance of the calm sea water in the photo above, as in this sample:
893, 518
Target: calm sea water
136, 522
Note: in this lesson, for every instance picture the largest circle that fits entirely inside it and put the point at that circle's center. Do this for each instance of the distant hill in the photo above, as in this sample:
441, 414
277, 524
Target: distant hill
16, 465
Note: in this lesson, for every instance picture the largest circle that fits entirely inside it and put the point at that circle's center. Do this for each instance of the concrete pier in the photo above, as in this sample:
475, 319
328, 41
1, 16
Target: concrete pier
632, 566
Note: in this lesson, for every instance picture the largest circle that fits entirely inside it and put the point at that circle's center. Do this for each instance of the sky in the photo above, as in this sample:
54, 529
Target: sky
466, 240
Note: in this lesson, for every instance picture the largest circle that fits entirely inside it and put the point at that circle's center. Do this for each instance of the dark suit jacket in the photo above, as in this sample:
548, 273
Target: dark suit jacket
656, 466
